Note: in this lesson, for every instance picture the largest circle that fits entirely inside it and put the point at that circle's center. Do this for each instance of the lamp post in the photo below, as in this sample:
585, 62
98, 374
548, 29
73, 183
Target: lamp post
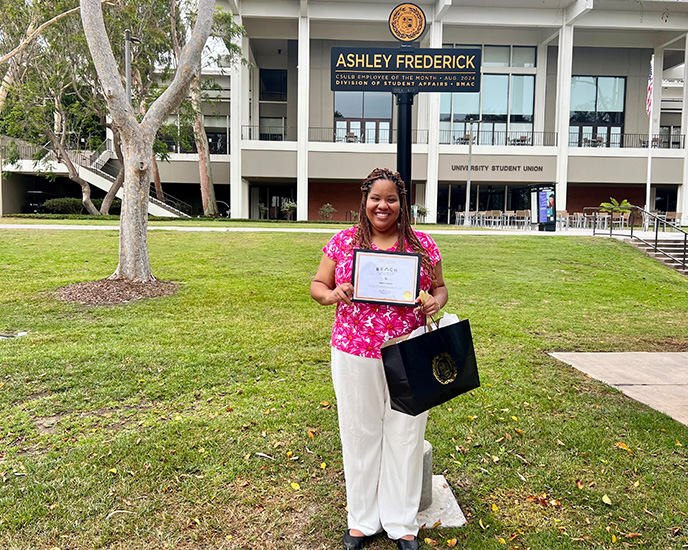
128, 39
466, 218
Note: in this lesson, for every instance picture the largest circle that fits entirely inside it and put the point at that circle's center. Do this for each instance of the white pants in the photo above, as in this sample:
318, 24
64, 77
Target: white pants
382, 449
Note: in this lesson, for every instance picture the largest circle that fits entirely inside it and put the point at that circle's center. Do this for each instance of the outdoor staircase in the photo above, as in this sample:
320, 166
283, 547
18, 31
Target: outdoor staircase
672, 252
170, 205
94, 164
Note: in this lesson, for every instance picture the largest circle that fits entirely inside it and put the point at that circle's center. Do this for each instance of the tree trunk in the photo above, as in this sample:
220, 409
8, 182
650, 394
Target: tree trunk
159, 194
63, 157
112, 193
205, 170
138, 137
134, 264
119, 180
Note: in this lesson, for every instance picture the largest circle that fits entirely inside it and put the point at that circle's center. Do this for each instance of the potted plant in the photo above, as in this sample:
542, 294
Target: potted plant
326, 211
288, 208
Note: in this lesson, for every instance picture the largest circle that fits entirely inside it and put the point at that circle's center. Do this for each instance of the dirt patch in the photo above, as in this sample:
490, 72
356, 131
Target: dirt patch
107, 292
46, 424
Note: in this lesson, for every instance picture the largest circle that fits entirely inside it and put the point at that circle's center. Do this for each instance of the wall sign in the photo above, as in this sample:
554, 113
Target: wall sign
422, 70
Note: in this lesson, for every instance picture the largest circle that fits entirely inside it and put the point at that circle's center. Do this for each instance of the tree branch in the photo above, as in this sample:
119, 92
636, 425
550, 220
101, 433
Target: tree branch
38, 31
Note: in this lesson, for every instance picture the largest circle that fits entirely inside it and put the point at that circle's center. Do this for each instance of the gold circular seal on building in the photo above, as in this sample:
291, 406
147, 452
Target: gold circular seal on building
407, 22
444, 368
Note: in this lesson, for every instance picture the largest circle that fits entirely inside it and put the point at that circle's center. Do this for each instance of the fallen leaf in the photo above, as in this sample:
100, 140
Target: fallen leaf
622, 445
295, 486
323, 465
678, 443
502, 540
634, 535
437, 524
451, 543
580, 484
482, 524
514, 418
430, 541
113, 470
494, 507
607, 500
311, 434
519, 432
613, 538
560, 442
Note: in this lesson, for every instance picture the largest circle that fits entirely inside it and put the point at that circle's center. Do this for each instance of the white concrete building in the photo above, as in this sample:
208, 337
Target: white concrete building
563, 100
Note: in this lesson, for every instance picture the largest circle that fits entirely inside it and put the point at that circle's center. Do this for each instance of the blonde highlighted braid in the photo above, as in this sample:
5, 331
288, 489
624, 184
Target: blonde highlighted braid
363, 236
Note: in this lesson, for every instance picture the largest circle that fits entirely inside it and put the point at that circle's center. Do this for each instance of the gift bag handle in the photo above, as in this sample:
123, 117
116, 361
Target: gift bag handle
429, 319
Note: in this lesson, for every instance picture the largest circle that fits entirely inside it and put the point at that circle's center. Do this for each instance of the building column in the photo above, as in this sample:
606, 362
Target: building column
304, 55
238, 115
540, 88
433, 103
564, 69
682, 198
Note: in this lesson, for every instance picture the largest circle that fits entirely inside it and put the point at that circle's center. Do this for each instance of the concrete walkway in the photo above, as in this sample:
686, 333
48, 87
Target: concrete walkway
659, 380
572, 232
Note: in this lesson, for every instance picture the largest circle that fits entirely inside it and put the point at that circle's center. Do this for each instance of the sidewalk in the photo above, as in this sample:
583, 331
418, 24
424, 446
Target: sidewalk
571, 232
659, 380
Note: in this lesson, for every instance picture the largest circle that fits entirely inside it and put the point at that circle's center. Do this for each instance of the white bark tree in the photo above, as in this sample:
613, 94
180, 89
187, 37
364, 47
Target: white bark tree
138, 137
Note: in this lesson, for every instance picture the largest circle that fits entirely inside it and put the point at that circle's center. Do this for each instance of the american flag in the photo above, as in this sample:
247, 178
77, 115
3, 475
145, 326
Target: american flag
648, 105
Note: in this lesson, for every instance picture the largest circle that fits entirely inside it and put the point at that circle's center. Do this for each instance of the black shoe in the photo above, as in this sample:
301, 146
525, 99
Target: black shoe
354, 543
403, 544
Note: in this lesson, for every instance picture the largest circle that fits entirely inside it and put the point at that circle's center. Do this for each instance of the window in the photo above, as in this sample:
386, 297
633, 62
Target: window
505, 104
363, 117
597, 111
273, 85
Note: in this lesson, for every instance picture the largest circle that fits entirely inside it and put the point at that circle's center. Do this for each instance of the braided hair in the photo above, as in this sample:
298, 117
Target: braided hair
363, 236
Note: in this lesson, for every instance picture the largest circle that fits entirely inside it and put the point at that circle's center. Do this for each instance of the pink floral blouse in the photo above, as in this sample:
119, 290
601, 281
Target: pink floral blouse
360, 329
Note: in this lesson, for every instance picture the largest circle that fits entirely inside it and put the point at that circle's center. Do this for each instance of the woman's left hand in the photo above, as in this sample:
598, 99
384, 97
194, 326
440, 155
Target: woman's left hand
431, 306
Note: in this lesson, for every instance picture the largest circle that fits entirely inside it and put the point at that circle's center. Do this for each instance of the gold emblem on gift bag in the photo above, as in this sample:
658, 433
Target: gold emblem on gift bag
444, 368
407, 22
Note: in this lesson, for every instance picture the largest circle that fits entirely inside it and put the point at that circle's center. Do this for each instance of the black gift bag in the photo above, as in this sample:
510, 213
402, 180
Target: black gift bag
430, 369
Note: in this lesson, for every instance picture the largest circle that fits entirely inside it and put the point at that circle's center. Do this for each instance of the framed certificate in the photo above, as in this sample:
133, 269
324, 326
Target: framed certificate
382, 277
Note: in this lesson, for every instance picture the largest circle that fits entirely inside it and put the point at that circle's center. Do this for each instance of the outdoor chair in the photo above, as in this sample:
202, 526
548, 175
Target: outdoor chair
673, 217
522, 218
619, 219
562, 219
577, 220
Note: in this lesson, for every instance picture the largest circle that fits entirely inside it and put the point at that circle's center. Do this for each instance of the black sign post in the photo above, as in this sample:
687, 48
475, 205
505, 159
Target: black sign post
405, 72
404, 141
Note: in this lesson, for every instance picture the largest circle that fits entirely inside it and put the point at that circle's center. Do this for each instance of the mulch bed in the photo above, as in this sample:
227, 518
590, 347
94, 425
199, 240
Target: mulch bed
107, 292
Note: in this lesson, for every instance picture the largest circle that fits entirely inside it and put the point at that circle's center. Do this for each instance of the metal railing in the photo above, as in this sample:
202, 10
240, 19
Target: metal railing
634, 217
169, 200
328, 134
503, 138
638, 141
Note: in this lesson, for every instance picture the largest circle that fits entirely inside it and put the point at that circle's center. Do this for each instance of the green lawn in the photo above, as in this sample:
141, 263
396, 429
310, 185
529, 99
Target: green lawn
207, 420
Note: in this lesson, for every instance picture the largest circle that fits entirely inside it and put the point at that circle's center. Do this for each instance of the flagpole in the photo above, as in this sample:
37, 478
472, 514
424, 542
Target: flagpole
650, 110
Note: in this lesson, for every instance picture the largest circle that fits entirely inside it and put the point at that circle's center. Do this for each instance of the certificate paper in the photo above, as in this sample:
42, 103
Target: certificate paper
381, 277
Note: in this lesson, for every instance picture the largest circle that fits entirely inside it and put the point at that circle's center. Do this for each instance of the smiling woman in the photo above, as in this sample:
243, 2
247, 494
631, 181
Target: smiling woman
382, 448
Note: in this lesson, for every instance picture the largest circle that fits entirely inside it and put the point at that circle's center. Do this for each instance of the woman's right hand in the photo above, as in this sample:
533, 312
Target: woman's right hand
342, 293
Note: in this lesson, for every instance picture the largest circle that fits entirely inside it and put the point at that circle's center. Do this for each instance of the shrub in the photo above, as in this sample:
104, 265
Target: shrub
288, 208
115, 207
422, 211
64, 205
326, 211
615, 206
